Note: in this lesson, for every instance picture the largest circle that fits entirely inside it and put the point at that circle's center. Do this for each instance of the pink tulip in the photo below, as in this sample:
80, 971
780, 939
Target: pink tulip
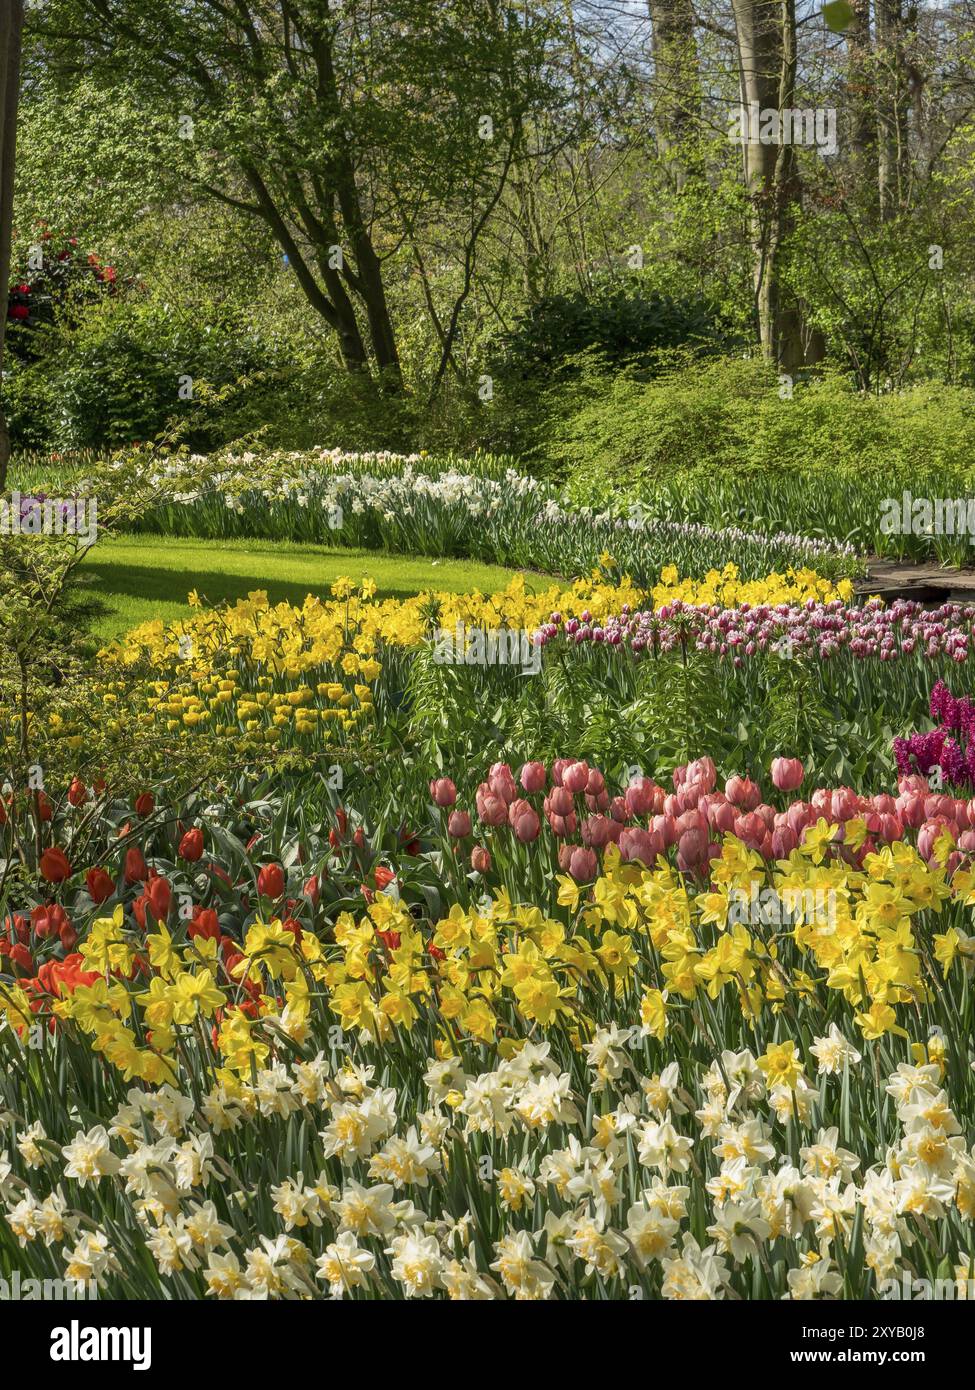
559, 802
617, 809
527, 826
666, 828
703, 770
938, 806
910, 808
459, 824
533, 777
480, 859
722, 817
751, 829
563, 826
639, 797
595, 832
596, 783
583, 864
443, 791
743, 793
491, 809
784, 841
575, 777
692, 820
787, 774
927, 836
502, 783
692, 848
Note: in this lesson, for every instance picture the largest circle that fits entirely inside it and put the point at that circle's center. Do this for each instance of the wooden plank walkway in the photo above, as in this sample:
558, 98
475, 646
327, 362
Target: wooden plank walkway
925, 582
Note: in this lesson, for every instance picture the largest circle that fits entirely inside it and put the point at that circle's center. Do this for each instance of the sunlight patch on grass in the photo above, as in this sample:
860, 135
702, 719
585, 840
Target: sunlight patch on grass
137, 578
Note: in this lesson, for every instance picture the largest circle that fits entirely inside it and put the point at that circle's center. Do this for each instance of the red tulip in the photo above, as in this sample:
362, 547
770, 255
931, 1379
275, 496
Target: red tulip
77, 792
145, 804
136, 869
54, 865
160, 896
270, 881
100, 885
191, 845
22, 959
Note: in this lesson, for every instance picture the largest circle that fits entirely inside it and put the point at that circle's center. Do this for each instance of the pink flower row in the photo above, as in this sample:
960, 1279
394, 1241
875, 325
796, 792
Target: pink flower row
645, 820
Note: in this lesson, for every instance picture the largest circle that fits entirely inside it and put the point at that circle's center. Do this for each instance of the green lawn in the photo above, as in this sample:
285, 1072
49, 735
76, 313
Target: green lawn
137, 578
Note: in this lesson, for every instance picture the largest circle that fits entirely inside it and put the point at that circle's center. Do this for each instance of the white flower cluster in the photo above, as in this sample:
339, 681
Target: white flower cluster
618, 1191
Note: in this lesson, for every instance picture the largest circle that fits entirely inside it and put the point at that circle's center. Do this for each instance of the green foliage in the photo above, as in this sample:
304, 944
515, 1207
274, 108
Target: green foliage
620, 319
720, 442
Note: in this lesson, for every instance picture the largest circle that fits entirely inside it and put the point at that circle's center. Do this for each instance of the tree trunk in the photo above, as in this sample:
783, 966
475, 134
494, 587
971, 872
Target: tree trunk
861, 95
11, 30
677, 105
893, 105
766, 36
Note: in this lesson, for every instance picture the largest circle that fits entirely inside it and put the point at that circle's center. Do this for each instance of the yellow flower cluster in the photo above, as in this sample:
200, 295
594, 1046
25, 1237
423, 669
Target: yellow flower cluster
760, 943
274, 674
723, 587
768, 940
